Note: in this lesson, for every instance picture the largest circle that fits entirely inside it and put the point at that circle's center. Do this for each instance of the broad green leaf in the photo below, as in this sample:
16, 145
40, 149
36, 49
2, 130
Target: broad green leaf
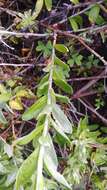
75, 1
73, 23
61, 48
26, 170
63, 99
61, 63
16, 104
61, 119
5, 97
35, 109
94, 13
59, 129
38, 7
43, 89
48, 4
48, 160
63, 85
26, 139
2, 118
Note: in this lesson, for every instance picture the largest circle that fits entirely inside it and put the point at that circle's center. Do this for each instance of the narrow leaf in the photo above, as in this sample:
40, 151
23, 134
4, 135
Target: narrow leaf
2, 118
63, 85
26, 170
35, 109
38, 7
73, 23
52, 170
61, 119
59, 130
26, 139
48, 4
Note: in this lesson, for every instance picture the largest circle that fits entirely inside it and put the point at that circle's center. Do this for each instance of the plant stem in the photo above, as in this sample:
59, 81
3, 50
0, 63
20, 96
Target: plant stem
46, 124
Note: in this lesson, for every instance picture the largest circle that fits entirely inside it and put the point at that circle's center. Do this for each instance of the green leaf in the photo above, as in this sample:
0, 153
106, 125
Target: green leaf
39, 179
94, 13
35, 109
43, 89
8, 149
48, 4
38, 7
2, 118
59, 129
61, 119
63, 85
61, 48
26, 170
75, 1
61, 63
73, 23
63, 99
50, 150
48, 160
5, 97
26, 139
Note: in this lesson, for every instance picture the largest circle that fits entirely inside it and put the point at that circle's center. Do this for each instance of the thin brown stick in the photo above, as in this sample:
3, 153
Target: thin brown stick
87, 78
104, 120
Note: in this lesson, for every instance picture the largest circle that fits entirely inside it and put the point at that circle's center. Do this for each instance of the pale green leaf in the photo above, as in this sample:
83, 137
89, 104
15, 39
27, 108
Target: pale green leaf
5, 97
50, 150
39, 179
59, 129
26, 170
48, 160
48, 4
2, 118
38, 7
61, 119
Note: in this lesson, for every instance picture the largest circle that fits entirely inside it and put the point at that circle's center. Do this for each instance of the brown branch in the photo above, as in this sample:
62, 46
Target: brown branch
104, 120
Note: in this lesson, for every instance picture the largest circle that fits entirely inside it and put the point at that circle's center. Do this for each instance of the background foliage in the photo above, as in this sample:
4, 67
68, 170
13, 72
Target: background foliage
53, 74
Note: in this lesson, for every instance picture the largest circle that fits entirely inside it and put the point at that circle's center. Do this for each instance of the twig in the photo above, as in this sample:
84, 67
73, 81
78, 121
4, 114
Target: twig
24, 34
86, 78
10, 12
84, 88
90, 29
94, 111
16, 65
